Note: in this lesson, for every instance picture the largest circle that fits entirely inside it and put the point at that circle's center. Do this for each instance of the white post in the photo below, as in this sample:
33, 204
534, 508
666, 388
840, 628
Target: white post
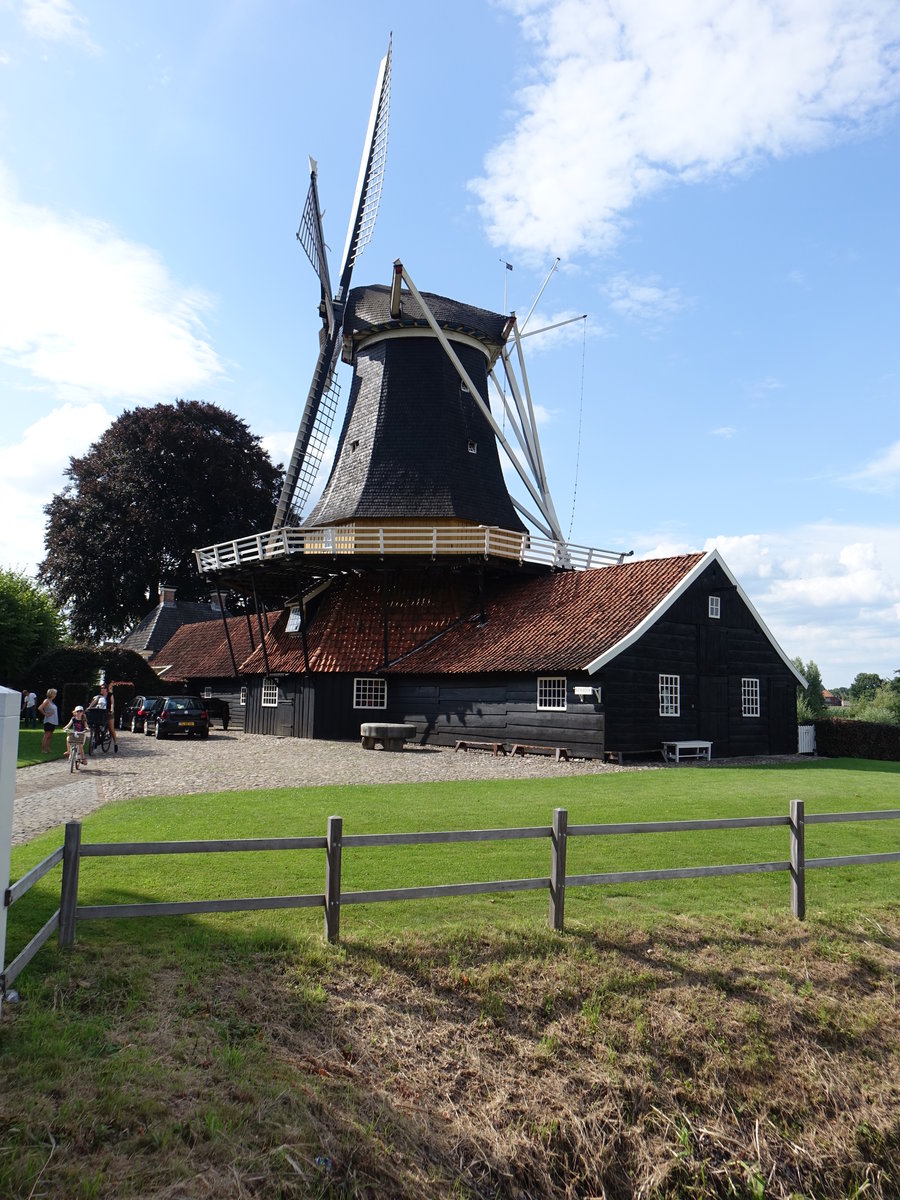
10, 713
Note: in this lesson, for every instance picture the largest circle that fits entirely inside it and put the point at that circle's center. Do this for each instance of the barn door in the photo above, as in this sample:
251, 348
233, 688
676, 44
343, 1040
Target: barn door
712, 715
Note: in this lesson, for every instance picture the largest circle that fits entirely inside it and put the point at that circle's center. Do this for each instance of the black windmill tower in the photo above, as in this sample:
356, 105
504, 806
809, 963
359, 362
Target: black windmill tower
419, 445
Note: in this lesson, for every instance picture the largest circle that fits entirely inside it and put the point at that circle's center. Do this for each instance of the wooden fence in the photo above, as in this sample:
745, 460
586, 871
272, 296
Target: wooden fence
333, 898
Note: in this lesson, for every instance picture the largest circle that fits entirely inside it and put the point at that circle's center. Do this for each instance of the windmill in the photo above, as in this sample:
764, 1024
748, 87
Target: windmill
419, 447
322, 399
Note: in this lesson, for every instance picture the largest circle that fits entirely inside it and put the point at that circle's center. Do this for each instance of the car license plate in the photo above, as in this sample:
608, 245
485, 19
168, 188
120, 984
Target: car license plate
187, 723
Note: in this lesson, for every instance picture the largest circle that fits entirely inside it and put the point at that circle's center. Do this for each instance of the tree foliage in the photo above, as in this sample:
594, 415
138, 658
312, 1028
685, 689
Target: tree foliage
810, 701
865, 685
159, 483
29, 625
75, 671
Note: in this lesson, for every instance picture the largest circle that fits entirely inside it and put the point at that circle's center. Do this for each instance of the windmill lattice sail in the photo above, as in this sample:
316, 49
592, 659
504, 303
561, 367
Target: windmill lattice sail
322, 398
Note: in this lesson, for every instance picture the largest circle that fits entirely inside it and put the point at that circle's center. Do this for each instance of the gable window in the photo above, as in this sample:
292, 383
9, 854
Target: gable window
295, 620
551, 692
715, 606
750, 697
207, 693
669, 695
243, 699
369, 692
270, 693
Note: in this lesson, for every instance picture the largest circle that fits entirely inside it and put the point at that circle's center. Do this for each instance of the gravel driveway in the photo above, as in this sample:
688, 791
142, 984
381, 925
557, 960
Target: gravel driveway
48, 795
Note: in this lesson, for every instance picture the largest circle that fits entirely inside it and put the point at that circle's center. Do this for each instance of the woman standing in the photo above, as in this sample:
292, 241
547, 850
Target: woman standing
105, 701
50, 716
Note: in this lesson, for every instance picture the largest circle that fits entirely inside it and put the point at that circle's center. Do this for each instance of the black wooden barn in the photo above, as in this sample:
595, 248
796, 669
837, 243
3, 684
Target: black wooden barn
620, 658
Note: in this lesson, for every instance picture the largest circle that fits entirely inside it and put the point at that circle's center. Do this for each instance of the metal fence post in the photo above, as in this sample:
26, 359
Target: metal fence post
798, 860
68, 900
558, 868
333, 879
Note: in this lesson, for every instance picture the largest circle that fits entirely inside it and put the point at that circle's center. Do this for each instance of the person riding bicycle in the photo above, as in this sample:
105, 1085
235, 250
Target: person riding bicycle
75, 731
105, 701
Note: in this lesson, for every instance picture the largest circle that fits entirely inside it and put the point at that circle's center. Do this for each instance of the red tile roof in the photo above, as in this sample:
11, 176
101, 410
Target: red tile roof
347, 632
201, 649
557, 622
554, 622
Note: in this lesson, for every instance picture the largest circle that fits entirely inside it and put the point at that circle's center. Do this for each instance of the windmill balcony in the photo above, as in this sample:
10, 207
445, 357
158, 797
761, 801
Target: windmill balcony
344, 545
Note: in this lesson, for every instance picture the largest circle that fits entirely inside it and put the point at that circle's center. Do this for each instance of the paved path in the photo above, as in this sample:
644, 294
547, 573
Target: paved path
48, 794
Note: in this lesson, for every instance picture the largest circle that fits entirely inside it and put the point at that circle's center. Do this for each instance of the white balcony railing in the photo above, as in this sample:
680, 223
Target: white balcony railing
438, 541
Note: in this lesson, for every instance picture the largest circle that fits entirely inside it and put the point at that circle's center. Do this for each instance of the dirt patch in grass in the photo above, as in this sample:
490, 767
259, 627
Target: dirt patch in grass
760, 1060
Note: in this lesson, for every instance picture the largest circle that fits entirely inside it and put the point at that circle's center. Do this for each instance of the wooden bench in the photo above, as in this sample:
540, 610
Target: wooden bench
468, 744
560, 752
688, 748
392, 737
619, 756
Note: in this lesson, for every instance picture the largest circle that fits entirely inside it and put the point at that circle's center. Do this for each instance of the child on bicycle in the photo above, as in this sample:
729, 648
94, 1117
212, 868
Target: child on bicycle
75, 731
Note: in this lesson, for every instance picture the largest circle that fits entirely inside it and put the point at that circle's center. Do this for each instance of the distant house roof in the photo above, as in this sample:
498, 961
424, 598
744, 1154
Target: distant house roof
200, 650
152, 633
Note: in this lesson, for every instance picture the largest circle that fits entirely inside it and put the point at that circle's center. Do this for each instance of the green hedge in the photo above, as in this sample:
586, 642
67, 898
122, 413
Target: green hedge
857, 739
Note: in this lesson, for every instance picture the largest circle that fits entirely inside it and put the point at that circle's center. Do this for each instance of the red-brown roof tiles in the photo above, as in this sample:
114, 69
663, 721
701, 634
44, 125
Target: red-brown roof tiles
348, 630
201, 649
555, 622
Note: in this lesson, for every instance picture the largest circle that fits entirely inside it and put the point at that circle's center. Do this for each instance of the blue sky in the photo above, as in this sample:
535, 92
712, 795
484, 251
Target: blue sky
719, 178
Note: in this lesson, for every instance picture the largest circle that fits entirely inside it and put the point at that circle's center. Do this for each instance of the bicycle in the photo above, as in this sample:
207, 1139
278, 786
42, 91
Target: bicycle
76, 740
98, 720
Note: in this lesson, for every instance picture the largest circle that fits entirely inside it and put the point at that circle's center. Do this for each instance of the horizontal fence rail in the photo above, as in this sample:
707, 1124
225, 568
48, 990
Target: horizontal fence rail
344, 541
333, 843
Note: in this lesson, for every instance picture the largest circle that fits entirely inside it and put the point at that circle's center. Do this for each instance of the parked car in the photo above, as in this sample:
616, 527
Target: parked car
135, 712
152, 708
218, 708
179, 714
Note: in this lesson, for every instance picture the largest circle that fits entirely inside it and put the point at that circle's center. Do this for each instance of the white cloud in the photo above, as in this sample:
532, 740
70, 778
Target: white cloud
93, 315
643, 299
57, 21
31, 471
881, 475
724, 431
630, 96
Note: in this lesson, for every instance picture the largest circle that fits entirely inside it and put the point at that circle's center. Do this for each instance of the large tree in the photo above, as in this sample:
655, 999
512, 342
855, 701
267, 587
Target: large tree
30, 625
158, 484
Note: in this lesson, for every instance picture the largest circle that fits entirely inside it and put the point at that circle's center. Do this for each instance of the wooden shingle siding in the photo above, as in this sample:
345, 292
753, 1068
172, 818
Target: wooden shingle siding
496, 711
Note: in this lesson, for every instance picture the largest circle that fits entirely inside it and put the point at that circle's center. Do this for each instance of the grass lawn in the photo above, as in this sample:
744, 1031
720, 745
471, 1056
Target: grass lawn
682, 1038
30, 747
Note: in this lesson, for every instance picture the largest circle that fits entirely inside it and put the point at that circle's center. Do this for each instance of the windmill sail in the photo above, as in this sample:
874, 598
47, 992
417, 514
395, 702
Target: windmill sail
322, 399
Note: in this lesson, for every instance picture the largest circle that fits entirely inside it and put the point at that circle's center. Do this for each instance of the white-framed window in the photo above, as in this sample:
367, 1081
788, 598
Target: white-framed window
551, 692
270, 693
243, 699
669, 695
369, 692
207, 693
715, 606
750, 697
295, 620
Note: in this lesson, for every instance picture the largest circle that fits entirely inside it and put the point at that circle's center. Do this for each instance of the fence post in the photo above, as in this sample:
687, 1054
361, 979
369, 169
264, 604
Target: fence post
798, 860
558, 868
333, 879
68, 900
